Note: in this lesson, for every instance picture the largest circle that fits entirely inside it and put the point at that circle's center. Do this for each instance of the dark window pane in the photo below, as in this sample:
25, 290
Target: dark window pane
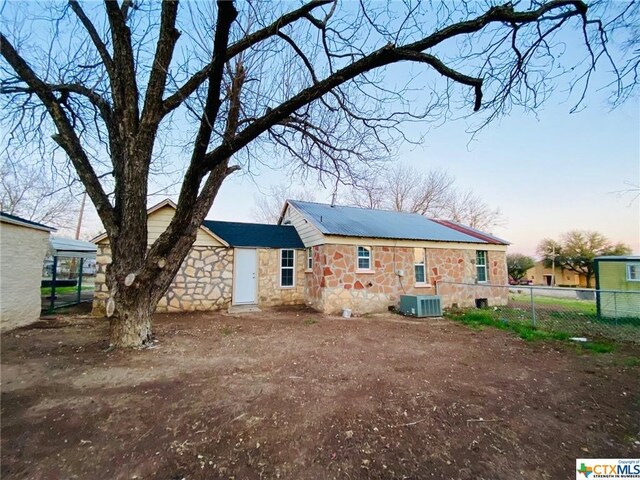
363, 263
287, 258
482, 273
286, 279
420, 274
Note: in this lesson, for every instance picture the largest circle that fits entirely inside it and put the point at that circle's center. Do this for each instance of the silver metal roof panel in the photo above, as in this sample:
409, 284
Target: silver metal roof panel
364, 222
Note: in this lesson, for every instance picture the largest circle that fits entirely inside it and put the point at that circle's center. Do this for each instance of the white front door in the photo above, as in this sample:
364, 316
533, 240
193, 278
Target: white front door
244, 276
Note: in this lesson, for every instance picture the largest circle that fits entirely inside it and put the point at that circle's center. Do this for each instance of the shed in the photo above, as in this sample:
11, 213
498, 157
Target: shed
23, 246
618, 286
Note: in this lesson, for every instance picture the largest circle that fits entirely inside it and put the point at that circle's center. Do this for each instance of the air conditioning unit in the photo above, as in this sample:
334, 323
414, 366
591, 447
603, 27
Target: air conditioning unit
421, 305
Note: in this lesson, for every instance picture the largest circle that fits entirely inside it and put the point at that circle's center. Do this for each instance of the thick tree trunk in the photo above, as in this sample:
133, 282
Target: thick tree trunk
130, 310
131, 327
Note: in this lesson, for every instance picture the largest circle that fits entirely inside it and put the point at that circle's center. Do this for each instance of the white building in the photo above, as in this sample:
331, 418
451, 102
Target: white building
23, 246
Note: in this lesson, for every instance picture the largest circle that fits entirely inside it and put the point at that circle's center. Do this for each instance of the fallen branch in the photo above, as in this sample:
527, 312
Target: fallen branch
409, 424
479, 420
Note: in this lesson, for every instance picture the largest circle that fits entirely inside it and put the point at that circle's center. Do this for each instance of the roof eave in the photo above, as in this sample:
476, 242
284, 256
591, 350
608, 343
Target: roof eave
26, 224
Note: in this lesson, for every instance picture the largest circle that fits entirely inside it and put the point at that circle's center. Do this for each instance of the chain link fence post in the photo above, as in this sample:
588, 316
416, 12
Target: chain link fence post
533, 309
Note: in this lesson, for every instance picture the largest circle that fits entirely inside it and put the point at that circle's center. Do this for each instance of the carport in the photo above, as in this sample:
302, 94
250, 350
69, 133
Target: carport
66, 263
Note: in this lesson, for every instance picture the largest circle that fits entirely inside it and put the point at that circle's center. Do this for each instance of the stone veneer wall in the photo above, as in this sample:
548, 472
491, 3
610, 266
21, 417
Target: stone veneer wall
335, 284
269, 291
204, 281
495, 290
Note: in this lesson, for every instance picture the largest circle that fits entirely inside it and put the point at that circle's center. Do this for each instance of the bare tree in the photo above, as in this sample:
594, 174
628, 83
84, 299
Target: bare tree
467, 207
268, 206
30, 193
126, 88
432, 193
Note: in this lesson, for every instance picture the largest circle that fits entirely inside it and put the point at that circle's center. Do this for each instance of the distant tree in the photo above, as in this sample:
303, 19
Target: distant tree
431, 193
518, 264
268, 206
28, 192
576, 250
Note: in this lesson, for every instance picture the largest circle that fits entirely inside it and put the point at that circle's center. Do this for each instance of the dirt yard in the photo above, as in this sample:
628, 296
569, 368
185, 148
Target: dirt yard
296, 395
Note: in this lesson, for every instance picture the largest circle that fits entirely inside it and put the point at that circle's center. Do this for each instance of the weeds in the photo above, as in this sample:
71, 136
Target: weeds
481, 319
310, 321
632, 362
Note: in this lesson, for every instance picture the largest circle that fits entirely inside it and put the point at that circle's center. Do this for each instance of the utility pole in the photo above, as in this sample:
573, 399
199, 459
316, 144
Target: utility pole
84, 198
553, 265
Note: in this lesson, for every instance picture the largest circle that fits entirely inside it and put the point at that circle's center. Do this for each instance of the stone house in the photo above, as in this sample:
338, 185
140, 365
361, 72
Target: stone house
329, 258
364, 259
23, 246
230, 263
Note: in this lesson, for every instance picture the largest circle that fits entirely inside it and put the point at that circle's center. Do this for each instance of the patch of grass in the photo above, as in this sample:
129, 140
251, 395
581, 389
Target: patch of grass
480, 319
310, 321
632, 362
583, 306
226, 330
598, 347
44, 291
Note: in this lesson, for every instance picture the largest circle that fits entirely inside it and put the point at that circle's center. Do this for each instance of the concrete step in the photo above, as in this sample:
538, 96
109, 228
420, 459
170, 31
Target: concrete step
244, 308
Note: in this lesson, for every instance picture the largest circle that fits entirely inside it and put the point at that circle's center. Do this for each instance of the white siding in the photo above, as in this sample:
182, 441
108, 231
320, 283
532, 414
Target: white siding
309, 234
22, 252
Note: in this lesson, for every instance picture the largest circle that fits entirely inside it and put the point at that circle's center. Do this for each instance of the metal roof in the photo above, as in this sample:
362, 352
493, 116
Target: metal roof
14, 219
473, 232
69, 247
365, 222
620, 258
258, 235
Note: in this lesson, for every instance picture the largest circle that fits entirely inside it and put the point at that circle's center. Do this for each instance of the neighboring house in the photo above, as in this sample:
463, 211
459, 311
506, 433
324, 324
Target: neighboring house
364, 259
618, 286
542, 275
23, 246
229, 263
327, 257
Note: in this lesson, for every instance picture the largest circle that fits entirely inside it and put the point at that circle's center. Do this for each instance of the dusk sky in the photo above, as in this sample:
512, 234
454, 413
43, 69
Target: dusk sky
548, 175
548, 172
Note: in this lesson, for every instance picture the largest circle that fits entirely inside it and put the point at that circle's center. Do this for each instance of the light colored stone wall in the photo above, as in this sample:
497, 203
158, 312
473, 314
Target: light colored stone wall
101, 291
335, 283
22, 252
269, 291
204, 281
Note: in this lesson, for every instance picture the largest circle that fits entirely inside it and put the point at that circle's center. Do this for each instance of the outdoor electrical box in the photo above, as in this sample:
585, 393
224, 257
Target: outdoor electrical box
421, 305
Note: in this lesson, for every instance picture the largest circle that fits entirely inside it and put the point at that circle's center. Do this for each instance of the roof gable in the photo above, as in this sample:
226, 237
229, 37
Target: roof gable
238, 234
364, 222
156, 209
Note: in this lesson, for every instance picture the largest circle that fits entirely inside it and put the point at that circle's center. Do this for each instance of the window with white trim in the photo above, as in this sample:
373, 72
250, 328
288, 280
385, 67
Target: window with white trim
481, 266
309, 258
633, 272
287, 267
420, 265
364, 258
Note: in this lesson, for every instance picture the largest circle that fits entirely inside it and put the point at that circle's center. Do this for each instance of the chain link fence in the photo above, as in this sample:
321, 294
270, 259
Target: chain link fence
613, 314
